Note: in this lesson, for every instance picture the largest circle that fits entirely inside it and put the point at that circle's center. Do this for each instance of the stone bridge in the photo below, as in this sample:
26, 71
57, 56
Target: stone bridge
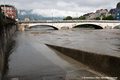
67, 24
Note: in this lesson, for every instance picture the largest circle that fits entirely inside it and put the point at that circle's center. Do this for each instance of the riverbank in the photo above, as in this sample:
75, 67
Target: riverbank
98, 62
33, 57
99, 49
33, 60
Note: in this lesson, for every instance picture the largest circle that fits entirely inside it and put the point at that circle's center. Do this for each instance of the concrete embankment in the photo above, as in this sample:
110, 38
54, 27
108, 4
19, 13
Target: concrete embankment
104, 64
7, 31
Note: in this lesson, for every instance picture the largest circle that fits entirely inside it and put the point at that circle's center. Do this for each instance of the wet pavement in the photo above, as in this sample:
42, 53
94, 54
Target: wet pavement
33, 60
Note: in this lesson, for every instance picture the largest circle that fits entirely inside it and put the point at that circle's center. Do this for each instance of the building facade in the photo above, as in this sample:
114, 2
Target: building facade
101, 12
117, 12
98, 13
9, 11
113, 12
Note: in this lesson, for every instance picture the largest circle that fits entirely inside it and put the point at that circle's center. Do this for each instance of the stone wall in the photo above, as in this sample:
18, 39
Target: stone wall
104, 64
7, 30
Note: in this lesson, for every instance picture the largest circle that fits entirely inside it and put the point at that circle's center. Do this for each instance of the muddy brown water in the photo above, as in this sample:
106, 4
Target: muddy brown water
33, 60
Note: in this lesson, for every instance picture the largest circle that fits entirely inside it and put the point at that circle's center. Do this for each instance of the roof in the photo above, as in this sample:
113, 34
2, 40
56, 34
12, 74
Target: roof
6, 6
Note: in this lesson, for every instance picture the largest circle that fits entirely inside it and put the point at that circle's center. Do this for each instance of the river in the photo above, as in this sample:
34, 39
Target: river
31, 59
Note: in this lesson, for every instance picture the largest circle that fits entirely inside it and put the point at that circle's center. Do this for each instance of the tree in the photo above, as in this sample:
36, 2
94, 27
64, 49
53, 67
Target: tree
68, 18
97, 18
82, 17
75, 18
110, 17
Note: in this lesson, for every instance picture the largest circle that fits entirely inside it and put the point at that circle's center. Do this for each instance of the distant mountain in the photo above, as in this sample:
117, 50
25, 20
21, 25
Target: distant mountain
22, 14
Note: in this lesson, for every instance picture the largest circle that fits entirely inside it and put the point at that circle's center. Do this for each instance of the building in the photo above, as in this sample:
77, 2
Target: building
9, 11
98, 13
112, 12
101, 12
90, 16
27, 19
117, 12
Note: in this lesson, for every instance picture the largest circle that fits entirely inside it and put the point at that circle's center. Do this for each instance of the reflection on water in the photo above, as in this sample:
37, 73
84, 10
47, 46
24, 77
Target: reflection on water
78, 29
33, 60
91, 26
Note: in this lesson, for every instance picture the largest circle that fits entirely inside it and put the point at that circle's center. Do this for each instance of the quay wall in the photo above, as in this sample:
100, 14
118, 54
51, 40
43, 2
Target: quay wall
105, 64
7, 30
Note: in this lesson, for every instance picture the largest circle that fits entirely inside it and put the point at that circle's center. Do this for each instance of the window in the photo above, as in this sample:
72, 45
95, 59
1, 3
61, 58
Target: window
118, 14
117, 17
2, 7
10, 8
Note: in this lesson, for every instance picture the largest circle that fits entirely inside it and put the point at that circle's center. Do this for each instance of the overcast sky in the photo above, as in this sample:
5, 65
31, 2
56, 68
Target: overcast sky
62, 7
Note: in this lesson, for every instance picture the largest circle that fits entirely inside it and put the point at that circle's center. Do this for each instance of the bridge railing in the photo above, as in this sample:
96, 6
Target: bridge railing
70, 21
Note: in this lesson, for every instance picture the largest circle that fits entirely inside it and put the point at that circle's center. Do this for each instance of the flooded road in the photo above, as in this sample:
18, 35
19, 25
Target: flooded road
33, 60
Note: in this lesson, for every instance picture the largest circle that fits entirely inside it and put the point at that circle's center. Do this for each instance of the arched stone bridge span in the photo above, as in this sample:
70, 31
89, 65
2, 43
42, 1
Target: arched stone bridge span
59, 24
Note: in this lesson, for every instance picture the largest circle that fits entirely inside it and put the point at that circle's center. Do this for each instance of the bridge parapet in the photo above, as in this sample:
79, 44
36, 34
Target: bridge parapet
67, 24
70, 21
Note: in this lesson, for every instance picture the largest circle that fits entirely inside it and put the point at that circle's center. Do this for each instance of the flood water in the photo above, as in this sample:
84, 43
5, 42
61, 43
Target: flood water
33, 60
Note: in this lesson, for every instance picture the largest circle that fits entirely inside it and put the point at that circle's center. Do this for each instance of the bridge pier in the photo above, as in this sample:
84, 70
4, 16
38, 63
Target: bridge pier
21, 27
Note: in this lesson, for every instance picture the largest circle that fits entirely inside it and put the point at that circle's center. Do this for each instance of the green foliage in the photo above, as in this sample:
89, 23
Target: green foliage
97, 18
68, 18
75, 18
82, 17
110, 17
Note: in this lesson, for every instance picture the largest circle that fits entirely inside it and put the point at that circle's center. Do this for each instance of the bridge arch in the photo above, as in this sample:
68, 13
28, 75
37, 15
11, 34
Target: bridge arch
31, 26
95, 26
116, 27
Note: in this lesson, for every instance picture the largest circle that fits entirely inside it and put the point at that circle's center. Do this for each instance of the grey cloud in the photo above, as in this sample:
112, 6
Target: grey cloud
82, 6
53, 3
